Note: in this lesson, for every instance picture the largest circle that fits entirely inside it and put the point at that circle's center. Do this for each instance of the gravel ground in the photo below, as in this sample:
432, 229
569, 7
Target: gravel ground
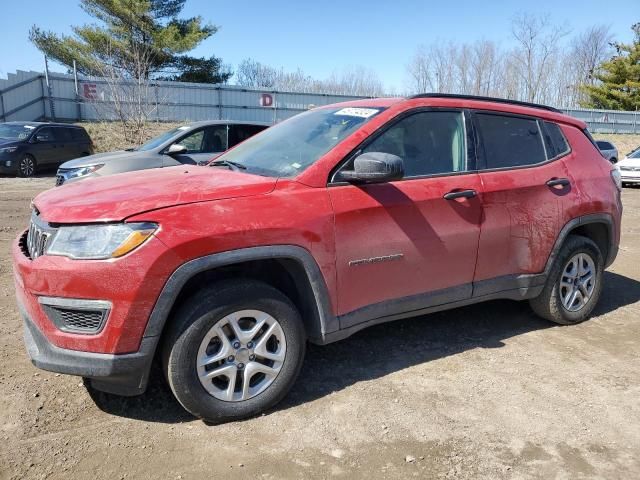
487, 391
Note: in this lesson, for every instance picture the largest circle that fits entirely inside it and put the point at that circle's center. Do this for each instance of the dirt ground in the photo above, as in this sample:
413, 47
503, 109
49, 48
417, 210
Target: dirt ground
487, 391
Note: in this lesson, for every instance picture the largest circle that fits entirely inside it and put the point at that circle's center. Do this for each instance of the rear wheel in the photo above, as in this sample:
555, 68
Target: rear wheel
574, 283
234, 350
27, 166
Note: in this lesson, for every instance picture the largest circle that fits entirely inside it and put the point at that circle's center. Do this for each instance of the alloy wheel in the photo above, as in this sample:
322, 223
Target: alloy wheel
27, 166
578, 282
241, 355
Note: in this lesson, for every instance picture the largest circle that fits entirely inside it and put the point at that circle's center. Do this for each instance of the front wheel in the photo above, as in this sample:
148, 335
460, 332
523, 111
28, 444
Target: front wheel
234, 350
27, 166
574, 283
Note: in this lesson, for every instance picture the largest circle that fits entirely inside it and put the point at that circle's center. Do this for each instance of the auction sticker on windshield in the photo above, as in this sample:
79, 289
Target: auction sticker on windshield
357, 112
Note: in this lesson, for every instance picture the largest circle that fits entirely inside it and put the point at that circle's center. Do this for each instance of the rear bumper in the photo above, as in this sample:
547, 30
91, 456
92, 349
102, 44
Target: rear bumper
125, 374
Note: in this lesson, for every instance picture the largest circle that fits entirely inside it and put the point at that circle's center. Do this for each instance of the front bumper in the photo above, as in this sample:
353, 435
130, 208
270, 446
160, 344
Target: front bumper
125, 374
630, 176
9, 162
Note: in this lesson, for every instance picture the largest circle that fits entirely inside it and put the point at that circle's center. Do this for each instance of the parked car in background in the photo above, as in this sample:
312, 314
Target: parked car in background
629, 168
26, 147
336, 219
608, 149
193, 144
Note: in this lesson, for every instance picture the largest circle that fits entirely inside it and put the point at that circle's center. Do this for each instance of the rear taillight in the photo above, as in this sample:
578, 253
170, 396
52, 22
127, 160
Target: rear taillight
617, 179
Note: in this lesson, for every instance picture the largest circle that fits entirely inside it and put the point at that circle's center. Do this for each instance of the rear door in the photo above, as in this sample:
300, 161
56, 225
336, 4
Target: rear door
409, 244
67, 147
523, 189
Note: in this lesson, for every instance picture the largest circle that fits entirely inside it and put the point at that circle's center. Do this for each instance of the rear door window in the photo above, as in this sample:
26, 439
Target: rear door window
239, 133
79, 135
510, 141
63, 134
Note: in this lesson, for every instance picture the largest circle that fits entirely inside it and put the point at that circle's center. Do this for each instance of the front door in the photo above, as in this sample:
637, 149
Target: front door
412, 243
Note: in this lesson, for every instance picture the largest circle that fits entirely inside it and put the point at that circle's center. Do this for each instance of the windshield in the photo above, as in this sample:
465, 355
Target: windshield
288, 148
12, 131
160, 139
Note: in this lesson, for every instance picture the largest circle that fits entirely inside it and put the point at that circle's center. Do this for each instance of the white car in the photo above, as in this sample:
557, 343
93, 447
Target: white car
629, 167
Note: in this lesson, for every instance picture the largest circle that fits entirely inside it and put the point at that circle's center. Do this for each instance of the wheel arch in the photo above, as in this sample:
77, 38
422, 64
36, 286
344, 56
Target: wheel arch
598, 227
291, 269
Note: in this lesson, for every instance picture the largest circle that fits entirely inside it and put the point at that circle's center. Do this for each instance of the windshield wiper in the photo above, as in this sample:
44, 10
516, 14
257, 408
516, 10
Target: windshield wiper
228, 163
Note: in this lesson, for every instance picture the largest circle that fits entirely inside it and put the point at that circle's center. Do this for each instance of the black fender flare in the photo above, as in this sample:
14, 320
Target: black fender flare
177, 280
604, 218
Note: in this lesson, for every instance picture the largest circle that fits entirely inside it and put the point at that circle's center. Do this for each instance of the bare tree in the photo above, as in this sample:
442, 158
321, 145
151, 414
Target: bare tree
589, 49
130, 96
355, 80
537, 42
419, 71
251, 73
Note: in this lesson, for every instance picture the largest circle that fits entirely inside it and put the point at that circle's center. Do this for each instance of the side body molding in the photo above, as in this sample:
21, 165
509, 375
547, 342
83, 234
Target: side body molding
177, 280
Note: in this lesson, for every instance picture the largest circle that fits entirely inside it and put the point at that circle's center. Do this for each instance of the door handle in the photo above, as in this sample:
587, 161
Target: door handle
454, 194
558, 182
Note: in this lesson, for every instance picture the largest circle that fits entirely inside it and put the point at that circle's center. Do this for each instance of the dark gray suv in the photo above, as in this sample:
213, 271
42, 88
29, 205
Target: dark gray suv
193, 144
26, 147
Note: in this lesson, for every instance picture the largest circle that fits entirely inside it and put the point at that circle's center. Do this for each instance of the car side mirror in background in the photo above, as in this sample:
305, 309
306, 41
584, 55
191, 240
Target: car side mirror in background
42, 138
176, 149
373, 167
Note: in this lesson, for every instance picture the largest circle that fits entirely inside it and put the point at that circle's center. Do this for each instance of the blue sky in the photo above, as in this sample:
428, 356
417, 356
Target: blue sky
325, 36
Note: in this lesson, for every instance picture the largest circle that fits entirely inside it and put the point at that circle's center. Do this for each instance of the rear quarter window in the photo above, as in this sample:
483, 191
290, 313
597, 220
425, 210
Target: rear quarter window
555, 140
510, 141
79, 135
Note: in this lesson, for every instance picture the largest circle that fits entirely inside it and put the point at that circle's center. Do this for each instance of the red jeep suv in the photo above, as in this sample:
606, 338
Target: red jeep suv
339, 218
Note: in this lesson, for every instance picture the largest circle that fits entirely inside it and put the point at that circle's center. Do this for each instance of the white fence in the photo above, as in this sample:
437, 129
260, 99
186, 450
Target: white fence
26, 96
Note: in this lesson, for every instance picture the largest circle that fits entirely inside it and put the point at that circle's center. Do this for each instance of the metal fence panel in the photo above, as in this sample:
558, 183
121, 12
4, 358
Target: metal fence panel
23, 96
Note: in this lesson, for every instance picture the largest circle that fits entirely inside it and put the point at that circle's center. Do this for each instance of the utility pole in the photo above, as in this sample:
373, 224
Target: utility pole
49, 92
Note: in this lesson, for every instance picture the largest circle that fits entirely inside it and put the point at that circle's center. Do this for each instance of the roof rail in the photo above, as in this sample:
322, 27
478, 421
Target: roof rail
486, 99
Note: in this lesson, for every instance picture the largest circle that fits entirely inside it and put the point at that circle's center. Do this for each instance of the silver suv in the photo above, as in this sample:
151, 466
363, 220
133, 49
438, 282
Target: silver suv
193, 144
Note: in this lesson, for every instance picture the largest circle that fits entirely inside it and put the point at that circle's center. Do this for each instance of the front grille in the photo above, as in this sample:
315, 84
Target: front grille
38, 236
76, 316
630, 169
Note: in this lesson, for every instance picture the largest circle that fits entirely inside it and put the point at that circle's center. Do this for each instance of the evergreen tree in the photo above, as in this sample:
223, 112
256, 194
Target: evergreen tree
618, 86
136, 37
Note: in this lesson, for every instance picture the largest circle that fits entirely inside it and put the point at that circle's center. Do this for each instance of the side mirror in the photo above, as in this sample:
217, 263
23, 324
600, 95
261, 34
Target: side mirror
176, 149
374, 167
42, 138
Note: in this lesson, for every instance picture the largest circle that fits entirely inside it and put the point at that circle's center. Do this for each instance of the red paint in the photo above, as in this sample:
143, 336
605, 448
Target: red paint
509, 228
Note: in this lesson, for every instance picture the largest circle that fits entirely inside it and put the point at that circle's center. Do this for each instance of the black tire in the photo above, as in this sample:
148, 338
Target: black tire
548, 304
614, 160
197, 316
27, 166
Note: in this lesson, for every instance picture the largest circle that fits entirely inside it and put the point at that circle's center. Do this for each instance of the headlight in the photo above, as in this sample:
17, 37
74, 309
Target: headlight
97, 242
8, 149
82, 171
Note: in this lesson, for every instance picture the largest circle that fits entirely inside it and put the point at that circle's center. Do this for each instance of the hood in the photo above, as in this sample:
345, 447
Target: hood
103, 158
116, 197
629, 162
7, 142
